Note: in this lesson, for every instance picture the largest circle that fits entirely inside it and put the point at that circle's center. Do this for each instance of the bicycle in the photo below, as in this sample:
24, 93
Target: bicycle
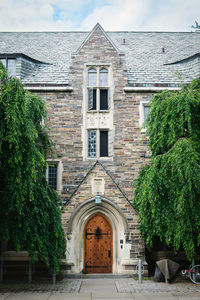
193, 273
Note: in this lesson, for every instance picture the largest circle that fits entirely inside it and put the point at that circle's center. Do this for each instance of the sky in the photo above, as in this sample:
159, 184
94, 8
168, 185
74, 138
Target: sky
115, 15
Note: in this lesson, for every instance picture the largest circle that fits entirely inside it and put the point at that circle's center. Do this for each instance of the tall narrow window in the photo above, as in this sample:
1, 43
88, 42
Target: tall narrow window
103, 78
92, 99
92, 77
97, 143
98, 90
103, 99
11, 66
146, 111
98, 115
91, 143
103, 143
52, 175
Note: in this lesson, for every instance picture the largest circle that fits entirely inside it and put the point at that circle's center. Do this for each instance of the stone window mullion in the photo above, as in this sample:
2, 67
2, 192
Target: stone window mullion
98, 142
98, 91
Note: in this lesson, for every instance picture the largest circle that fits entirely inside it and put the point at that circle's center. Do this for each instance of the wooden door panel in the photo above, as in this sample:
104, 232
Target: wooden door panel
98, 245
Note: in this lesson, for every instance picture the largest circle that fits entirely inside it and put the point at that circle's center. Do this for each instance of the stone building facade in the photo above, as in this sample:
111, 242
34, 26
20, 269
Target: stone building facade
97, 87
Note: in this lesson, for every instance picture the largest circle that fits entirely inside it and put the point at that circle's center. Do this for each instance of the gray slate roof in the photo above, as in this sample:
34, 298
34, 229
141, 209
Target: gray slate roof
144, 58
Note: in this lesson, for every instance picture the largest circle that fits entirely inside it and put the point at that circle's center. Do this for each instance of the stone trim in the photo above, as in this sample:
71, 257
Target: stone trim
49, 88
97, 26
97, 119
149, 89
98, 162
93, 200
75, 239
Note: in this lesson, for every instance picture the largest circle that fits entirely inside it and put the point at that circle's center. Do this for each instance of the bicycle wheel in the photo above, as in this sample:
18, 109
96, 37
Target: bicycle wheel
195, 274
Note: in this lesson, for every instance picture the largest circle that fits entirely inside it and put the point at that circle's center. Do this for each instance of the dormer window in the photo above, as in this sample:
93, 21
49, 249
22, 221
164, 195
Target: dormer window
10, 65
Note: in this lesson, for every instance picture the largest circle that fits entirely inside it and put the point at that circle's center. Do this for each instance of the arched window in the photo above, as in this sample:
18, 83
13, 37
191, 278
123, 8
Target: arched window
92, 77
103, 77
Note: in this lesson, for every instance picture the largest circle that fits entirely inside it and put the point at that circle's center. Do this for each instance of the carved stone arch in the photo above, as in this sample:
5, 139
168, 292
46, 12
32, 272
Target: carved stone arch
92, 200
76, 226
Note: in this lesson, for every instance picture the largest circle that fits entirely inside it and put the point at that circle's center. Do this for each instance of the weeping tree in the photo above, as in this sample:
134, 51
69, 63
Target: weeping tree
30, 214
167, 194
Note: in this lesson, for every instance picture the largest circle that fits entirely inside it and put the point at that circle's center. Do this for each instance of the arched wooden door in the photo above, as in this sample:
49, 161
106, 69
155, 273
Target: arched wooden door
98, 242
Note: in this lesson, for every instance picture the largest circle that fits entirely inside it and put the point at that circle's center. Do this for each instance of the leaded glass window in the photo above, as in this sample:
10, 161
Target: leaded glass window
52, 175
98, 91
91, 143
92, 99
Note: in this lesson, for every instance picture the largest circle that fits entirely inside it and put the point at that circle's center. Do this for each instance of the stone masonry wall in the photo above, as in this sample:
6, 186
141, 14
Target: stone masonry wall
66, 121
135, 244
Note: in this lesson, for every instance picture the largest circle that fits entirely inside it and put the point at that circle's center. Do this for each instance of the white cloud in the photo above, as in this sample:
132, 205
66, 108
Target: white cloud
46, 11
177, 15
32, 15
120, 15
168, 15
52, 15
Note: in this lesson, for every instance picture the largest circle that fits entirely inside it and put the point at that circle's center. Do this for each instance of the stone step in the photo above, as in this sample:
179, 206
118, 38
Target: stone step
95, 276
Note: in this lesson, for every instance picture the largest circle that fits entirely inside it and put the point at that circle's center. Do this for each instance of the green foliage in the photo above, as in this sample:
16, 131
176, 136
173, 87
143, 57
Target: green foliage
174, 115
30, 212
167, 194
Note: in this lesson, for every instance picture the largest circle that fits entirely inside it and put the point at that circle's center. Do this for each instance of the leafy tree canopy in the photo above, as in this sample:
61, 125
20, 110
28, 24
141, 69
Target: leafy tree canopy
167, 194
30, 214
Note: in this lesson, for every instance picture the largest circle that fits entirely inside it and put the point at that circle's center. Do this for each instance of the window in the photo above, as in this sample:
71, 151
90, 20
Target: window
10, 65
98, 91
144, 110
91, 143
98, 143
103, 78
92, 99
97, 128
103, 99
103, 143
54, 174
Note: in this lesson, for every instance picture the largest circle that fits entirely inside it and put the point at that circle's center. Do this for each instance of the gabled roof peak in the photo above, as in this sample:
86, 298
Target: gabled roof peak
97, 27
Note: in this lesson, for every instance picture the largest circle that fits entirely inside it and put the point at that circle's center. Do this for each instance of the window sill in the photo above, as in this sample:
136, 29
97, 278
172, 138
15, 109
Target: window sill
106, 158
103, 87
98, 111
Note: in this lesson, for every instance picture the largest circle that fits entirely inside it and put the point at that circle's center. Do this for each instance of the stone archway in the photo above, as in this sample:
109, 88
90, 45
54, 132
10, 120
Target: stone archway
79, 219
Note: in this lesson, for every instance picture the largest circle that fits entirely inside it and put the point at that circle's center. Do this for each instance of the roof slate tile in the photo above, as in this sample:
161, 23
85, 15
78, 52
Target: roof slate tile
146, 55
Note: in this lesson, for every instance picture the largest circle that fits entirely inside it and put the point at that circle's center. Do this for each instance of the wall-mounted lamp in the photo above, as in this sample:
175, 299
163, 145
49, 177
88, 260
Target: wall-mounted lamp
98, 199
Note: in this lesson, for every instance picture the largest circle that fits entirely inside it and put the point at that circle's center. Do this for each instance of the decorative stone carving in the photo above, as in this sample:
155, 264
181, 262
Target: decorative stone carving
97, 186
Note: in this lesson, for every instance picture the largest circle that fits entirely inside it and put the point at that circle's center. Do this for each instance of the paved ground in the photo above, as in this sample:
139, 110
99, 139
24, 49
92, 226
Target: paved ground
99, 289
